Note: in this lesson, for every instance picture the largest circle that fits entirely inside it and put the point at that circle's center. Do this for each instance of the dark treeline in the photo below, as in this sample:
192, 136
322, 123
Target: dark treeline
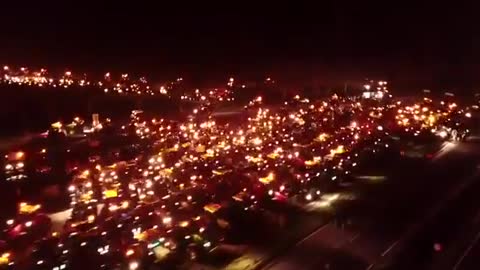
31, 109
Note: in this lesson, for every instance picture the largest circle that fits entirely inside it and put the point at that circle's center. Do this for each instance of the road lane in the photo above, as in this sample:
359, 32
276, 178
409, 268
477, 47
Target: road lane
469, 259
377, 236
458, 232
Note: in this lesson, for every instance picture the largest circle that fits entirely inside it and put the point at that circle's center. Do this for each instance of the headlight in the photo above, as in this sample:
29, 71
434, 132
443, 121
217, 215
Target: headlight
91, 218
148, 184
19, 165
308, 197
8, 167
167, 220
133, 265
443, 134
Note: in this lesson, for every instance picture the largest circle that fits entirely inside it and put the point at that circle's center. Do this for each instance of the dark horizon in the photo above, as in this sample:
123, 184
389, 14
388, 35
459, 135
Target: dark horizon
418, 46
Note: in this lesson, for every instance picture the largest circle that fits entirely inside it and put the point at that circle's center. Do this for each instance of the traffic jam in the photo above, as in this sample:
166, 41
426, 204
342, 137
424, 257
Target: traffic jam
186, 188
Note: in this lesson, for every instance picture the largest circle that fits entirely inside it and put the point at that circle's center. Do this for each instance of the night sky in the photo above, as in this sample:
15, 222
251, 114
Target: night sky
429, 45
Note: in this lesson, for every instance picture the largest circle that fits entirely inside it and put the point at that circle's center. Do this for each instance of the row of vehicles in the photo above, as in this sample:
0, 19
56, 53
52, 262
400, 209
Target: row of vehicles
193, 185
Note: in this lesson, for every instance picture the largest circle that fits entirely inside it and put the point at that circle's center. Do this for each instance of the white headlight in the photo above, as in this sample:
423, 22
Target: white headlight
133, 266
167, 220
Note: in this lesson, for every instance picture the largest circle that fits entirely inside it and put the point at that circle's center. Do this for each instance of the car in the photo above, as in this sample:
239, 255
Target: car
7, 256
47, 254
29, 224
82, 218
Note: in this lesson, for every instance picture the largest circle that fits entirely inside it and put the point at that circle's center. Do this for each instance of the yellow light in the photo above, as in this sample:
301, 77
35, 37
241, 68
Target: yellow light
57, 125
129, 252
28, 208
314, 161
322, 137
339, 150
5, 258
19, 155
184, 224
91, 218
111, 193
273, 155
220, 172
268, 179
212, 207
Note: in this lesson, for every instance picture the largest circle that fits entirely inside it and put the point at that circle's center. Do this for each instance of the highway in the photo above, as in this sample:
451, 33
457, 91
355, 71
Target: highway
469, 259
457, 230
374, 226
464, 251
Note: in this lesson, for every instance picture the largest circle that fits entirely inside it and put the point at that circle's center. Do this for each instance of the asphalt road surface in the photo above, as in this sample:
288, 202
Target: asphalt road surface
469, 260
368, 230
456, 230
